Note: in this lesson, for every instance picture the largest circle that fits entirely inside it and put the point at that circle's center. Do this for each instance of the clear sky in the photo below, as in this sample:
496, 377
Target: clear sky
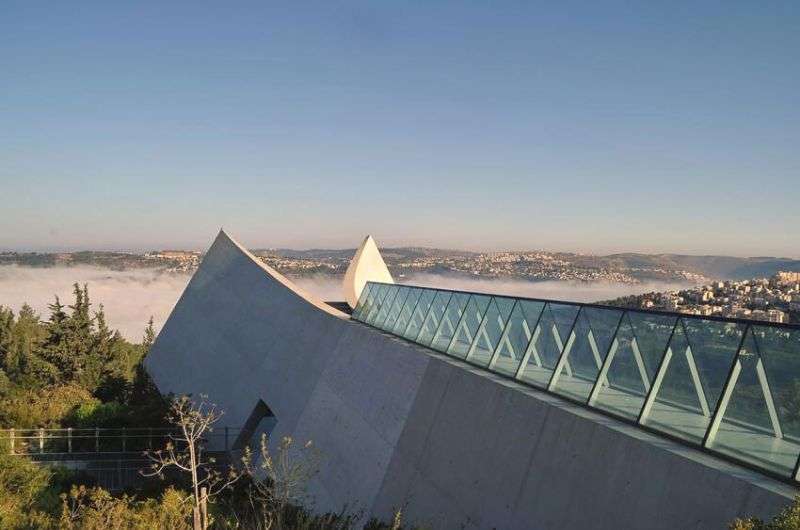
586, 126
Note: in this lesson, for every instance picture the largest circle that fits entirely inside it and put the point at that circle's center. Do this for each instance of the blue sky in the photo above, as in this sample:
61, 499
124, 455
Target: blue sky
584, 126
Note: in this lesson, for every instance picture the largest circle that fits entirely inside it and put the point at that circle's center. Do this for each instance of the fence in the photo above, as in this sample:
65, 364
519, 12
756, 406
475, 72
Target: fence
38, 443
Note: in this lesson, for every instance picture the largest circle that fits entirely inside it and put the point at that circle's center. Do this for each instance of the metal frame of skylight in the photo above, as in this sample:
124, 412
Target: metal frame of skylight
715, 418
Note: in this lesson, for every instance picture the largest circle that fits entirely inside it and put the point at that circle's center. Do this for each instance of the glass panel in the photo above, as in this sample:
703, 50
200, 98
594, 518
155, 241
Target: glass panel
361, 301
419, 315
759, 416
547, 343
397, 305
698, 360
592, 335
522, 325
405, 313
378, 313
450, 321
371, 312
434, 317
640, 344
491, 330
671, 371
468, 327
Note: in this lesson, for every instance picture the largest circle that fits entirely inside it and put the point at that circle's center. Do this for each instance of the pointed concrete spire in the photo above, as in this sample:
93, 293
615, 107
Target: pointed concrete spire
366, 265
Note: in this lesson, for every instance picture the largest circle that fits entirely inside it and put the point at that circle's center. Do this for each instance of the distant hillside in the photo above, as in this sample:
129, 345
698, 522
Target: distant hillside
632, 265
312, 253
347, 253
718, 267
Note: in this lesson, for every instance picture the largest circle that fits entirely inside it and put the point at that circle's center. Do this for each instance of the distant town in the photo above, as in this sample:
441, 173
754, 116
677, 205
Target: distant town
526, 265
774, 299
769, 293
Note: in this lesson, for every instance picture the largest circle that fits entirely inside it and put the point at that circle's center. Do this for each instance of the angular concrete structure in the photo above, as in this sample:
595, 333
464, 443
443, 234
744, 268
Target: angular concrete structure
403, 426
367, 265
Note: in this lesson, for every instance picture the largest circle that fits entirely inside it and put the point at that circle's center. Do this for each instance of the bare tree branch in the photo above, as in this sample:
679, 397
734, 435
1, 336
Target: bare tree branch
184, 451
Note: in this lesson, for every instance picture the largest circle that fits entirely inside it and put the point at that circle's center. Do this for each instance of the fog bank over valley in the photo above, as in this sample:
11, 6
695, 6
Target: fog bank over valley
555, 290
130, 297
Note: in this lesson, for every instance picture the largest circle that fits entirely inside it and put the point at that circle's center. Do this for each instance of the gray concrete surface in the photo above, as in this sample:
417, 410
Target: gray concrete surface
402, 426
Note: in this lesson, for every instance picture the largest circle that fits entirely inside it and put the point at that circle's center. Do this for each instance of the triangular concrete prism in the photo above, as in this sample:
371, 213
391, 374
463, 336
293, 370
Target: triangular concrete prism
367, 265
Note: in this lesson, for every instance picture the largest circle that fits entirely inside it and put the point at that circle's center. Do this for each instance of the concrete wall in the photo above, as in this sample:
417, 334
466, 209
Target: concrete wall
401, 426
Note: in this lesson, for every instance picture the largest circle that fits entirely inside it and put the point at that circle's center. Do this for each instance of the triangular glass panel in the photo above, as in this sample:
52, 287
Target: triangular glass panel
361, 301
434, 318
397, 305
377, 301
467, 328
640, 344
520, 329
491, 330
547, 343
715, 345
758, 415
420, 314
581, 363
450, 321
407, 310
386, 305
698, 361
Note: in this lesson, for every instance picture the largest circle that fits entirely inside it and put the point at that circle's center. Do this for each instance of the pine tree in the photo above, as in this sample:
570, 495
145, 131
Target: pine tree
57, 332
107, 367
27, 337
149, 336
80, 320
104, 337
144, 392
79, 337
6, 329
55, 349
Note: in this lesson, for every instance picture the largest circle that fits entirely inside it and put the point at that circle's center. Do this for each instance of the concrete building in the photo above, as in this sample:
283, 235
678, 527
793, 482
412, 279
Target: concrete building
788, 277
456, 445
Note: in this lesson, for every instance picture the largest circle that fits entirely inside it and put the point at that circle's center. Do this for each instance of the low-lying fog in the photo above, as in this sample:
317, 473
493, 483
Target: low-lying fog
131, 297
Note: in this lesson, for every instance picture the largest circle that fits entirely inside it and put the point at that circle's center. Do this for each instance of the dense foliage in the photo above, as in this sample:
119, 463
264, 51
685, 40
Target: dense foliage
72, 369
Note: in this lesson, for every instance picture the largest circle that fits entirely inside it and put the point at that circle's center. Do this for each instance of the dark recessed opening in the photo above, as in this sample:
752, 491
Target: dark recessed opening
260, 422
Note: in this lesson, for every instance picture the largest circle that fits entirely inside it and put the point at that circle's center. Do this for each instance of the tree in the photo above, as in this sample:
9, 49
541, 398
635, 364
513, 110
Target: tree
55, 348
282, 480
185, 452
6, 333
57, 325
26, 339
80, 327
151, 406
149, 336
69, 337
106, 367
104, 338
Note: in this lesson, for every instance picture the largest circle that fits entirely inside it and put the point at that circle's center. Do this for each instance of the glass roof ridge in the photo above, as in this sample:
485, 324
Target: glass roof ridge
662, 312
726, 386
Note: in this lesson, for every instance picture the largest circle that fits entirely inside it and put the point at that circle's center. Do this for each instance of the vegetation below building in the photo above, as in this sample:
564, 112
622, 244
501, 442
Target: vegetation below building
73, 370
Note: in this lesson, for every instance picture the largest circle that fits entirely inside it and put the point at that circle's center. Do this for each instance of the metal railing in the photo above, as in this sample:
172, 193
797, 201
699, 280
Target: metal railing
727, 386
97, 440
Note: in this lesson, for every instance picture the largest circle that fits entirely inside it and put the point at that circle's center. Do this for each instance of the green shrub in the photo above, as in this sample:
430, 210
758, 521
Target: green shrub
47, 408
96, 509
788, 519
27, 496
96, 414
